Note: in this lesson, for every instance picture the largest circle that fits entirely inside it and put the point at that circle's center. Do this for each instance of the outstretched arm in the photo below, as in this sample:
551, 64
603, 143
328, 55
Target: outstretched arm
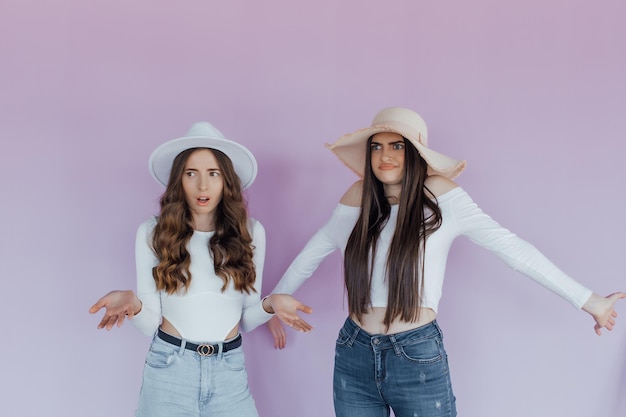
525, 258
303, 266
257, 311
333, 235
602, 309
119, 305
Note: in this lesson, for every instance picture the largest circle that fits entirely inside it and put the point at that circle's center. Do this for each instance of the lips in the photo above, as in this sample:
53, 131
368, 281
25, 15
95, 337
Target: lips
202, 201
386, 167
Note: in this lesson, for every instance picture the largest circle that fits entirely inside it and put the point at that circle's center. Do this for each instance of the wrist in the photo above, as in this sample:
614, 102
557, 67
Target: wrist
138, 310
591, 304
266, 303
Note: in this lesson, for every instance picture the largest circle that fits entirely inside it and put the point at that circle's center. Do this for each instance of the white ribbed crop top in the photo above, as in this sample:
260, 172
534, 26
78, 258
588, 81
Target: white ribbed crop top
203, 313
461, 216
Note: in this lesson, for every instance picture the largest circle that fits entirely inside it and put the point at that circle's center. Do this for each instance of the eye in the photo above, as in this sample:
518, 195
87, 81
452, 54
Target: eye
214, 173
190, 173
375, 147
398, 146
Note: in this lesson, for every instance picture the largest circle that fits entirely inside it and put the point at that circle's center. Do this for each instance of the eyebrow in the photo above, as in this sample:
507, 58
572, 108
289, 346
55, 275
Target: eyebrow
389, 143
196, 169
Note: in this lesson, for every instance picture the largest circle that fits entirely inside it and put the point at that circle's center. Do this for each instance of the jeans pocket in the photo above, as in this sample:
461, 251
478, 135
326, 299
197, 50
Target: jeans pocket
234, 360
160, 356
423, 351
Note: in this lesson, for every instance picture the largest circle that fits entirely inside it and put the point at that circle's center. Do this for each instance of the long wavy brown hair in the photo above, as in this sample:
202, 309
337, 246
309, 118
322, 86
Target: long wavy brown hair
418, 217
231, 244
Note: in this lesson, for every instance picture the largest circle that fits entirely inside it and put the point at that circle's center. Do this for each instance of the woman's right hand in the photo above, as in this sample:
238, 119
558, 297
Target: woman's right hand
278, 332
119, 305
286, 309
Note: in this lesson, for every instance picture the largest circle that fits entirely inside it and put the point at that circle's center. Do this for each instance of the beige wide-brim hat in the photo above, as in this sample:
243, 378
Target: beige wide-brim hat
203, 135
351, 148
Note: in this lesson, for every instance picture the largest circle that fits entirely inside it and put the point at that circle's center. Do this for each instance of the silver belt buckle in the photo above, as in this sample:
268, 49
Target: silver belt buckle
205, 350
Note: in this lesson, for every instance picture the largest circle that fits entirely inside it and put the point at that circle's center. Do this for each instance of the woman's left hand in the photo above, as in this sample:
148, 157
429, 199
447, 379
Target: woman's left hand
602, 310
286, 308
278, 332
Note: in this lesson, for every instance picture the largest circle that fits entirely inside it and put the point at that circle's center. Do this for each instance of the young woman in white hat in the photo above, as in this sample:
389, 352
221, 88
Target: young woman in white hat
199, 268
394, 228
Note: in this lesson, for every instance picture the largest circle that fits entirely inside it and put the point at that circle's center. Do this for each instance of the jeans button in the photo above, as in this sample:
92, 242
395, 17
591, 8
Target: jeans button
376, 341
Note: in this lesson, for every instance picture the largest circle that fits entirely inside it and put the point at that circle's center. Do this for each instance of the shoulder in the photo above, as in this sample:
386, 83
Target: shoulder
438, 185
148, 226
145, 233
352, 197
257, 231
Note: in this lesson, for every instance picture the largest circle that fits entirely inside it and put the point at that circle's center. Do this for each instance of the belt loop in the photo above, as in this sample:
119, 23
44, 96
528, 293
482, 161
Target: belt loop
181, 349
220, 350
439, 332
350, 324
396, 346
353, 336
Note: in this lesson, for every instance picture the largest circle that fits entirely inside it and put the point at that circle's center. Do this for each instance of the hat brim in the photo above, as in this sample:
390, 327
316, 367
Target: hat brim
244, 163
350, 149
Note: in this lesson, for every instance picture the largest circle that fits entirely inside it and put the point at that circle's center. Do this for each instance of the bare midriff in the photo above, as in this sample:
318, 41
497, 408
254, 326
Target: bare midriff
168, 328
372, 321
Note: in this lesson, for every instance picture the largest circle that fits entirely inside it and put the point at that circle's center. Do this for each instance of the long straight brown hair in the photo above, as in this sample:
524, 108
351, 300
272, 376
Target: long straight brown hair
418, 217
230, 245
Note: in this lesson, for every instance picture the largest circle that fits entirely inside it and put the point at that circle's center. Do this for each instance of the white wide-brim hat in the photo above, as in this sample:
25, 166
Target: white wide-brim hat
203, 135
351, 148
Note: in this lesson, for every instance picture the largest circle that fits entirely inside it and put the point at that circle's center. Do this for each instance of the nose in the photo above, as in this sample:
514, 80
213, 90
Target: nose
386, 156
203, 183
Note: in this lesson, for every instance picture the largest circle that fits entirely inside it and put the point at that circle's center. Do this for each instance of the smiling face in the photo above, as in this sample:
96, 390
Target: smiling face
387, 159
203, 184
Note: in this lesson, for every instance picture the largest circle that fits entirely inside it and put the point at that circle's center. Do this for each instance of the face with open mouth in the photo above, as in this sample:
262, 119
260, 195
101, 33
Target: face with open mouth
203, 184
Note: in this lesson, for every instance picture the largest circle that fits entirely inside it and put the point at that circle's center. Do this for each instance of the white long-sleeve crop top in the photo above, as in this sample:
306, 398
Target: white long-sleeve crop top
460, 216
202, 313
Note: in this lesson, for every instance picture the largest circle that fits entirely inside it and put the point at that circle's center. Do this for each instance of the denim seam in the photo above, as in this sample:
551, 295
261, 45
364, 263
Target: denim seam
412, 342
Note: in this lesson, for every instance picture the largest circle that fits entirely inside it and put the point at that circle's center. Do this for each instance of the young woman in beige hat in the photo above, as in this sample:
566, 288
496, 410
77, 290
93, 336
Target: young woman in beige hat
199, 268
394, 228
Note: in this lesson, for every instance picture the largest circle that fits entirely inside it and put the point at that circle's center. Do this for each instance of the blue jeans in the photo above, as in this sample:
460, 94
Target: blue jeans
407, 372
178, 382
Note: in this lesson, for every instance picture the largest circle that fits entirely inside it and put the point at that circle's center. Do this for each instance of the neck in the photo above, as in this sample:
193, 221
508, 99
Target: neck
392, 192
204, 223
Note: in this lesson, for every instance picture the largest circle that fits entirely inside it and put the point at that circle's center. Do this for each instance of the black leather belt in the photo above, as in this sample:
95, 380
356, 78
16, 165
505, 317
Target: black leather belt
203, 349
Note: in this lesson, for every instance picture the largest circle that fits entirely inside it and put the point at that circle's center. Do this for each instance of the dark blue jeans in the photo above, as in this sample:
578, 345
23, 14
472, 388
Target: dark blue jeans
406, 372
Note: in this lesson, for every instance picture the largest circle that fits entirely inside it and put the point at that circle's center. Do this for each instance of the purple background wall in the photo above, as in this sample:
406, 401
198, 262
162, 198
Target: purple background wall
531, 93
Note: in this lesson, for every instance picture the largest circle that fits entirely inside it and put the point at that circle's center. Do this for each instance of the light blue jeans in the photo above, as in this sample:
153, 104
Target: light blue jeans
406, 372
178, 382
